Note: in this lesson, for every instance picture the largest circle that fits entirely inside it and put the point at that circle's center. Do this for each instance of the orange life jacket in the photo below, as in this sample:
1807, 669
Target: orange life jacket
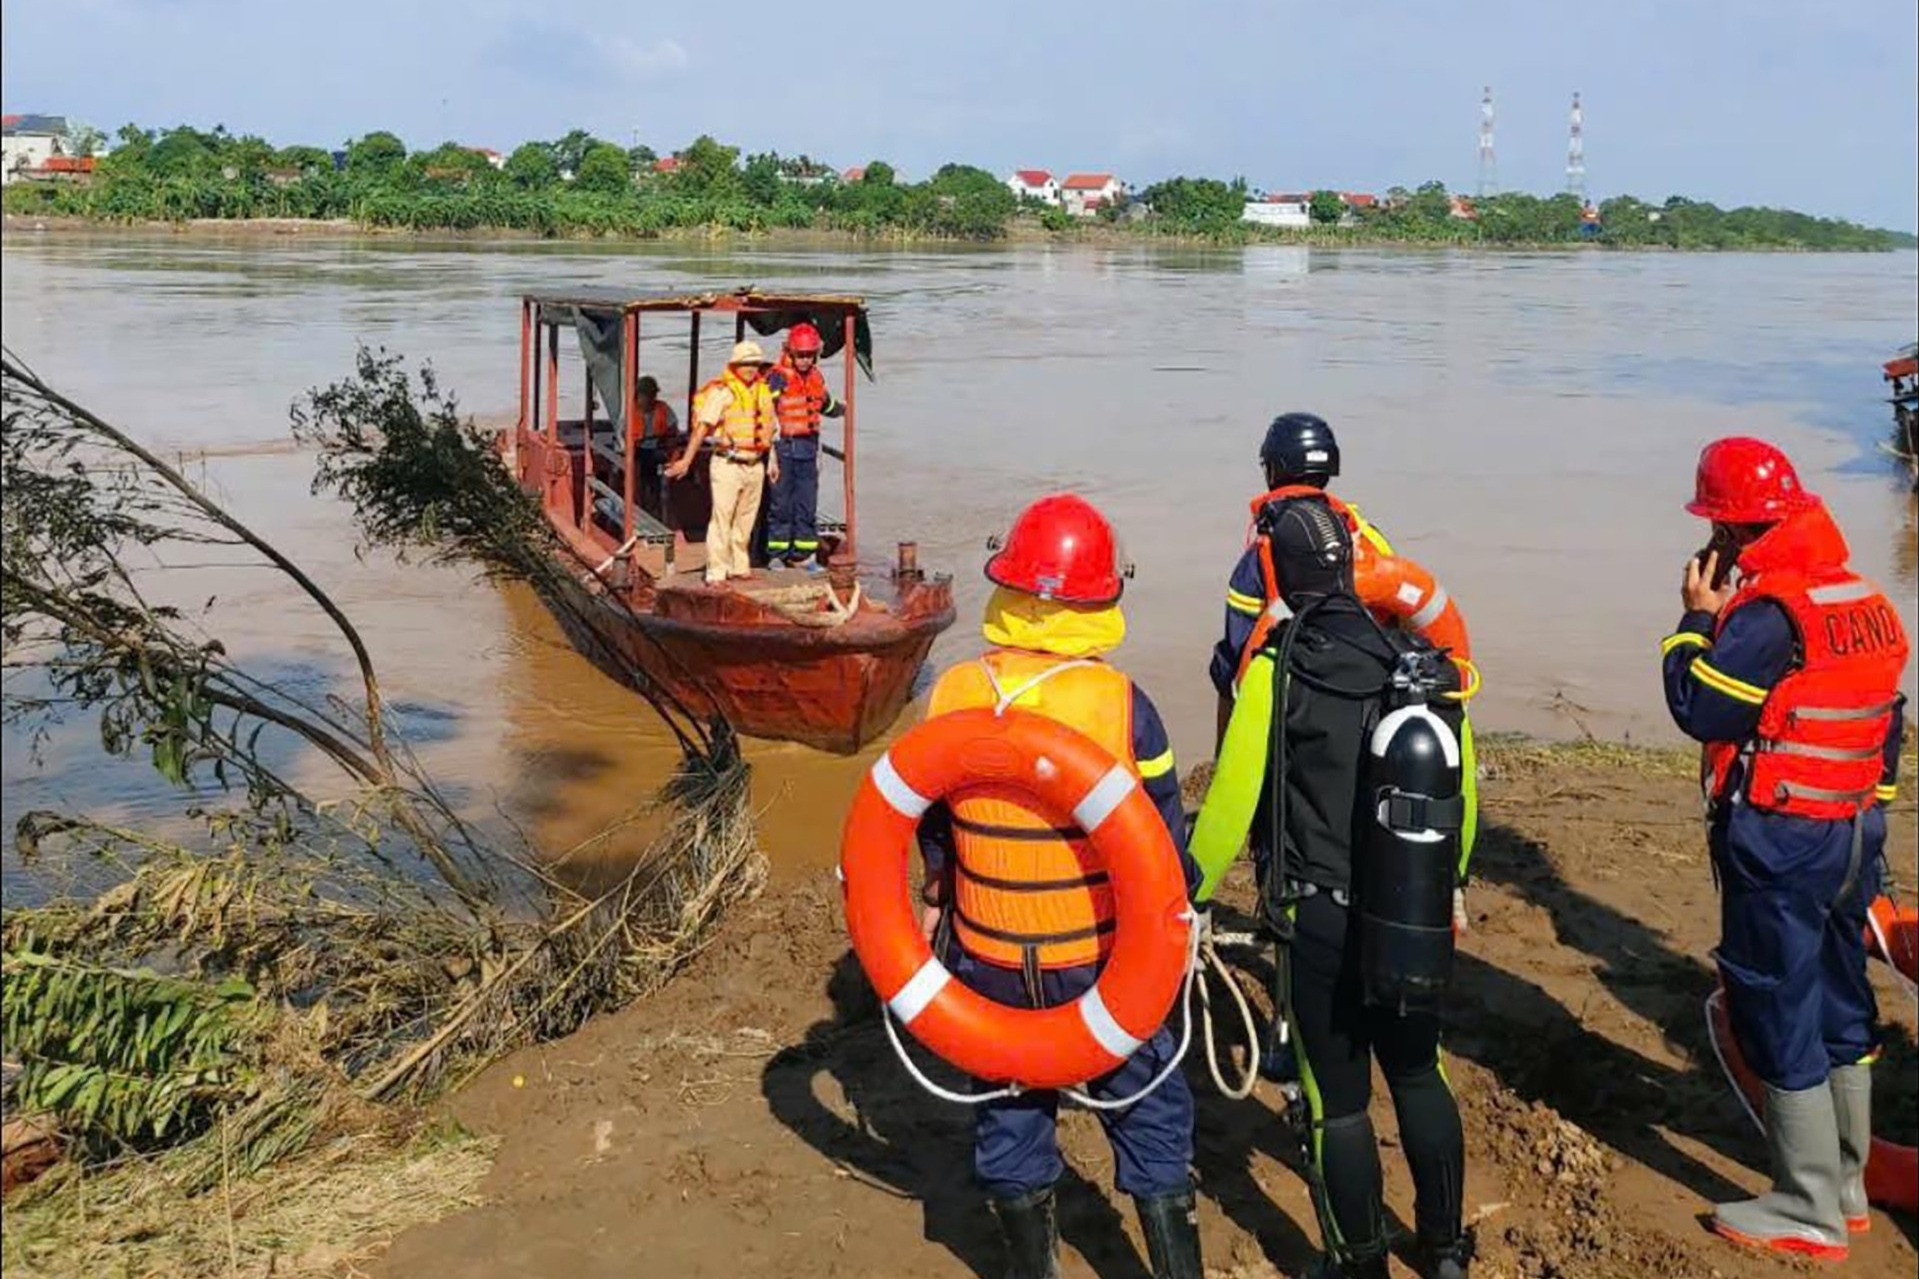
801, 399
1028, 890
1819, 748
746, 425
1396, 590
654, 425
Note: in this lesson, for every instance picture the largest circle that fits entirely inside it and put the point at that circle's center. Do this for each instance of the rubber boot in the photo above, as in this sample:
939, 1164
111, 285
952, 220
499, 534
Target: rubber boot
1801, 1212
1852, 1105
1171, 1225
1444, 1259
1031, 1227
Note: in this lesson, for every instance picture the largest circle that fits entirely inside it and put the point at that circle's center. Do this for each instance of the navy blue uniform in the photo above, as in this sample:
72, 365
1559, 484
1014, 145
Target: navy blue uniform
792, 516
1791, 950
1015, 1143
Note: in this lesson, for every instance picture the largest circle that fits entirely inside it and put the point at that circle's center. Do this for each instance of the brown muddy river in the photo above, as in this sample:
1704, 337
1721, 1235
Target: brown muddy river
1525, 424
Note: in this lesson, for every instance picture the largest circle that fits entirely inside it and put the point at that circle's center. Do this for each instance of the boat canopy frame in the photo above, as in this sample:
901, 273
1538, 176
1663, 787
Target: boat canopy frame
610, 329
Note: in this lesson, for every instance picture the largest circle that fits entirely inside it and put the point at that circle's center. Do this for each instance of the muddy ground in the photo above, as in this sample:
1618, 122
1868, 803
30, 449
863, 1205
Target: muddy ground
751, 1120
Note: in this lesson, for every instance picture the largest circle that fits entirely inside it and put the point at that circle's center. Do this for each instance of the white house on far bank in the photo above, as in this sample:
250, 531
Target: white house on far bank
28, 141
1084, 194
1279, 210
1034, 184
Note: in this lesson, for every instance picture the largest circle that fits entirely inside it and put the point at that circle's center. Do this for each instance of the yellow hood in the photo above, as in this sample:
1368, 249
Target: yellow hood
1014, 619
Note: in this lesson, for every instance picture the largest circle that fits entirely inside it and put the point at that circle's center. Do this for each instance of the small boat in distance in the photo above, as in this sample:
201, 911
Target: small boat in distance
827, 659
1902, 374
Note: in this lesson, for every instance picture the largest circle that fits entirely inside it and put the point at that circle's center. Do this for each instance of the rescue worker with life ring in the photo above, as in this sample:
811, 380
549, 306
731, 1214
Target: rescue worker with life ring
1789, 673
1345, 731
800, 399
1024, 904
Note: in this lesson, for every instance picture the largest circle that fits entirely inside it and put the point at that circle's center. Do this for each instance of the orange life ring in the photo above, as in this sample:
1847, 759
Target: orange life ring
1892, 1170
1069, 775
1899, 926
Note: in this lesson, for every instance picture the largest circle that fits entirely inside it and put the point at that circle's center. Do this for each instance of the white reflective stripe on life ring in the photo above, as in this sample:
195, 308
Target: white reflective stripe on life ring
1108, 1033
1107, 794
919, 991
1429, 613
893, 789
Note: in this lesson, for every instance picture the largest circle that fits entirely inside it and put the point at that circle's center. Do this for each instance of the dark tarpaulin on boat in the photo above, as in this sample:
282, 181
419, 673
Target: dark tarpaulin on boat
599, 332
832, 331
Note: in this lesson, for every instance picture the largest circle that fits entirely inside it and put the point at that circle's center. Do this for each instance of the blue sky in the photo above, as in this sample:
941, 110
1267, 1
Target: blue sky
1801, 104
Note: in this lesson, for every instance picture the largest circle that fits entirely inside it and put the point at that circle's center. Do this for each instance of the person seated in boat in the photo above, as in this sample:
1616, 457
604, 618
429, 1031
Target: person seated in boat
736, 409
656, 432
1029, 918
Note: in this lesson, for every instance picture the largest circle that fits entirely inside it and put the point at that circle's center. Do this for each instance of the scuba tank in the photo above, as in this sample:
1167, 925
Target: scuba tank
1407, 858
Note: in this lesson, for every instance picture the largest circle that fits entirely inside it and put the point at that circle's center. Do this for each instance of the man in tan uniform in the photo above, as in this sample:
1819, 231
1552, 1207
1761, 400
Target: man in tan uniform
737, 409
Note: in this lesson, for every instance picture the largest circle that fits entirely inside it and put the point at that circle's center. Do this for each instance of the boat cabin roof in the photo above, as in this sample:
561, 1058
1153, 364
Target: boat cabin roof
739, 300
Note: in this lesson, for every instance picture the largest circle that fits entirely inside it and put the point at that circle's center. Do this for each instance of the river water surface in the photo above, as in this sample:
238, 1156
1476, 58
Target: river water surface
1524, 424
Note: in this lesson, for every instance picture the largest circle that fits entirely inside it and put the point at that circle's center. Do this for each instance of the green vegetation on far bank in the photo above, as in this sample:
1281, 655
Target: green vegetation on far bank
579, 186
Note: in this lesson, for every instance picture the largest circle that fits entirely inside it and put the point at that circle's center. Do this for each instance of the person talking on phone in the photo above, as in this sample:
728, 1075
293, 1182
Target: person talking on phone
1786, 665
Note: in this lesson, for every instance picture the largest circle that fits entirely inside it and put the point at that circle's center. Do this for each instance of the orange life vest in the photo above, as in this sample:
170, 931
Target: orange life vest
1396, 590
800, 401
746, 424
654, 425
1027, 889
1819, 748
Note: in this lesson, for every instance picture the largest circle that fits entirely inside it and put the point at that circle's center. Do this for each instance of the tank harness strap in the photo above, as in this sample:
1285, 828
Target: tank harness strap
1410, 811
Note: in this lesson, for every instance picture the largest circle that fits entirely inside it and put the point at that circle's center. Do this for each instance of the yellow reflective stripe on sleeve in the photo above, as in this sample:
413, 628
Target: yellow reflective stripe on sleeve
1886, 794
1244, 603
1158, 766
1682, 640
1720, 682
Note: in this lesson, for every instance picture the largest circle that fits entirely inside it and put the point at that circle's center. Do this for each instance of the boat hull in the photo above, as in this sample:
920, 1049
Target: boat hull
833, 689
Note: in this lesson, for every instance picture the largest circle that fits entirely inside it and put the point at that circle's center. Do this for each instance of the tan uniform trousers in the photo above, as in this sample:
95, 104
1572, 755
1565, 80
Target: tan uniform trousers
737, 488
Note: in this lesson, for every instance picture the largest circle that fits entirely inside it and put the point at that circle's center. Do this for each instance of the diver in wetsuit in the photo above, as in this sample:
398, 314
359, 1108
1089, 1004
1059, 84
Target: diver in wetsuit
1358, 825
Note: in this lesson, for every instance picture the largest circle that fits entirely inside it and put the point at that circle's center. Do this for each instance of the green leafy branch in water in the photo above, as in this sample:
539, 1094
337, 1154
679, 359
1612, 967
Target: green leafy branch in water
87, 502
422, 478
367, 984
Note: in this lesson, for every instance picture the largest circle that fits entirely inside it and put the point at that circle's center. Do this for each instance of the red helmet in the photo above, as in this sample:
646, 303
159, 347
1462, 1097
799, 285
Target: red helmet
803, 339
1060, 548
1746, 481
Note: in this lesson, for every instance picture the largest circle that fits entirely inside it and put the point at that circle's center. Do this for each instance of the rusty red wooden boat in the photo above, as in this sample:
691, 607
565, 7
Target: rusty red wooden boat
825, 655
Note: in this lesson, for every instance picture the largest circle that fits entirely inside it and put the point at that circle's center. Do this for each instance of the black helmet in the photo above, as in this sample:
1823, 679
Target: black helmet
1299, 446
1312, 548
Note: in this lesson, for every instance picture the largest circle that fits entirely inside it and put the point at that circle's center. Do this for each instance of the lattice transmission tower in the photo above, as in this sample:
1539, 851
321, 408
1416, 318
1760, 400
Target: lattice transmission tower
1576, 152
1488, 161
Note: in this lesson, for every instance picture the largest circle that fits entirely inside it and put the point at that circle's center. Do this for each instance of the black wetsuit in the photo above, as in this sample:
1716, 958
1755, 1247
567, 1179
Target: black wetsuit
1337, 655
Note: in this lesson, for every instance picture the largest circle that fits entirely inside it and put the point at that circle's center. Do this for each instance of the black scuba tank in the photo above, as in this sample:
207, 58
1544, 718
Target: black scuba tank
1407, 852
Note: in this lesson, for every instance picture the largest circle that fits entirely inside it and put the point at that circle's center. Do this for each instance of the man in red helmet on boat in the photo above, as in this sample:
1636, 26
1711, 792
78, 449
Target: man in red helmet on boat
1789, 673
800, 400
1029, 911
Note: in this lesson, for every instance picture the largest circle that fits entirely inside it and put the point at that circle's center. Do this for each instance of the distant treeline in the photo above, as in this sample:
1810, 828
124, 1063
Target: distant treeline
581, 185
